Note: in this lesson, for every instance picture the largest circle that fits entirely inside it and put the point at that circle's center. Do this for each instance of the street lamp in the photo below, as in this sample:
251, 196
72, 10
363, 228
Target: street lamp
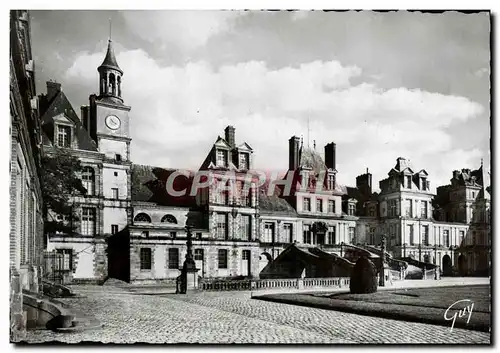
435, 261
381, 282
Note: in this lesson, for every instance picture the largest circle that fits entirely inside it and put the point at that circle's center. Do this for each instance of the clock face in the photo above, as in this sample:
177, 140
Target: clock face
113, 122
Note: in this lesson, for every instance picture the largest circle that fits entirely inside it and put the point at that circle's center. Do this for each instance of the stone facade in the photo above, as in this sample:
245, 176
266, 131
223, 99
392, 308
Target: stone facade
25, 197
140, 227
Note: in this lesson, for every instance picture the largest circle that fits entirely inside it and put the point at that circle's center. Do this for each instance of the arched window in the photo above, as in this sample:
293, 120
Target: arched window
169, 219
88, 180
112, 86
119, 82
142, 217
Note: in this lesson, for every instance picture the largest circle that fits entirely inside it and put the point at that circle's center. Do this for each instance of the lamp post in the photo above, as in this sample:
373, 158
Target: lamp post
435, 261
419, 240
189, 276
381, 282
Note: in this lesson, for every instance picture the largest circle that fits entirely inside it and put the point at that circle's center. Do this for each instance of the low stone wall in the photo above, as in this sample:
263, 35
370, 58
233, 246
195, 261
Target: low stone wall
285, 283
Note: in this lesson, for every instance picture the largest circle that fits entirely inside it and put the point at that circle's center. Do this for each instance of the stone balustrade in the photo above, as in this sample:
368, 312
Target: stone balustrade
283, 283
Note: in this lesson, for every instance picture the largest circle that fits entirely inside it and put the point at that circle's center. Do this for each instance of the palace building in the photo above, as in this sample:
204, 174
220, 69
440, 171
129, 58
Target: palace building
133, 227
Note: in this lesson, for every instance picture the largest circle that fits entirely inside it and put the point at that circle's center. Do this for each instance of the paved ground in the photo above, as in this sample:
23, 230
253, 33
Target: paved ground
233, 317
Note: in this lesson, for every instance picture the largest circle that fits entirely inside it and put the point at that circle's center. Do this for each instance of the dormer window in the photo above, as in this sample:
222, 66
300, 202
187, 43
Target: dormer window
424, 184
331, 181
243, 161
351, 209
221, 158
63, 136
408, 181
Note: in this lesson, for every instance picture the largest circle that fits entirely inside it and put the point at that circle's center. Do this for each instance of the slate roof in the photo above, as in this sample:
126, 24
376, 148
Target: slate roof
61, 105
311, 159
148, 184
110, 59
275, 205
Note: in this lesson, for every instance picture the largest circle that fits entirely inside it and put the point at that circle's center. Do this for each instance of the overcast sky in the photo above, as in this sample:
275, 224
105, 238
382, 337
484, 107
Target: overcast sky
379, 85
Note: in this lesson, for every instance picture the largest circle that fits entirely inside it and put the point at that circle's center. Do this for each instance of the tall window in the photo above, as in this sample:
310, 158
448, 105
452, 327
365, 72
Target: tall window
287, 233
461, 235
243, 193
331, 181
423, 209
446, 238
222, 192
221, 158
88, 180
331, 235
222, 258
392, 208
114, 193
425, 235
331, 206
306, 230
145, 258
173, 258
351, 209
306, 204
243, 161
372, 235
221, 226
352, 235
67, 256
63, 136
411, 234
424, 184
409, 208
268, 235
408, 181
246, 197
114, 228
246, 227
319, 205
88, 221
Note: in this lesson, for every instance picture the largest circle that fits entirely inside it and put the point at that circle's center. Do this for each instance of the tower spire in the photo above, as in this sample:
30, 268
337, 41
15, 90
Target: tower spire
109, 29
308, 131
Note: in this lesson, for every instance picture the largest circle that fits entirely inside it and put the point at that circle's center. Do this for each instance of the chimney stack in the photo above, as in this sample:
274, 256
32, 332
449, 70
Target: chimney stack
85, 116
364, 183
293, 152
53, 88
230, 133
330, 155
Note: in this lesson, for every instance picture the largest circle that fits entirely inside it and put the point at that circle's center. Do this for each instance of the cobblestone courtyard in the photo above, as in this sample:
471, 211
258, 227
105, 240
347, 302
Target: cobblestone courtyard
233, 317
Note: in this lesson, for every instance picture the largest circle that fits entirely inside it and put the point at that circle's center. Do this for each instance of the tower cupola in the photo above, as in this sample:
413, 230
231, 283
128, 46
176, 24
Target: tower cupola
110, 76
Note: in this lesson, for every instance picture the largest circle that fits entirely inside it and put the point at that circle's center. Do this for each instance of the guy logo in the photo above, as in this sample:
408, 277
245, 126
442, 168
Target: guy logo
459, 313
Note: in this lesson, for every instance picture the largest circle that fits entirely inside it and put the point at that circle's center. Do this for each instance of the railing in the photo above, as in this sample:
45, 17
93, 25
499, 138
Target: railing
396, 275
262, 284
430, 274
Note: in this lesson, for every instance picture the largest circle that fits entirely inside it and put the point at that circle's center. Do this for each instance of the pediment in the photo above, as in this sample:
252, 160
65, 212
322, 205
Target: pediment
221, 143
62, 118
245, 147
423, 173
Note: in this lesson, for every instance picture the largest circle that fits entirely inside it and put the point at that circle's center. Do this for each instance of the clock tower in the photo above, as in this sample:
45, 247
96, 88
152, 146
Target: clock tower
108, 123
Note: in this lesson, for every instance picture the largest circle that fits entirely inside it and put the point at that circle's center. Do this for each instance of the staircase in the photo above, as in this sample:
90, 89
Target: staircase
44, 312
394, 264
